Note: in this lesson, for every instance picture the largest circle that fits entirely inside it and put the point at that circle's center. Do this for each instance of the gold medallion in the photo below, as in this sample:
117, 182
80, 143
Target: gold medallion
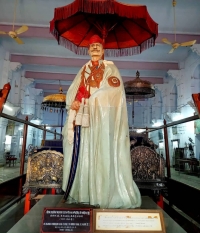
92, 83
113, 81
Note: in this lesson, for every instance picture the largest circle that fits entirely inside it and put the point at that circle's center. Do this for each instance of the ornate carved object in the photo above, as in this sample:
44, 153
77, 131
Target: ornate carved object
44, 170
57, 101
147, 164
148, 167
139, 89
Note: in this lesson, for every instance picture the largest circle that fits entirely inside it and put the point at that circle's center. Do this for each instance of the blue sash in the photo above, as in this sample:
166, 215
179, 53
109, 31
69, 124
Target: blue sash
75, 155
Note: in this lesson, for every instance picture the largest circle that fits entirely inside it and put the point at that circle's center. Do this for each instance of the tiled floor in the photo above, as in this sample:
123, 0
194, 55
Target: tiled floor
11, 216
7, 173
16, 212
186, 178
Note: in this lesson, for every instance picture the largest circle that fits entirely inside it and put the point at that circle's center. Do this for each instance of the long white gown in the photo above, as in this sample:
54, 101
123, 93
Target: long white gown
103, 175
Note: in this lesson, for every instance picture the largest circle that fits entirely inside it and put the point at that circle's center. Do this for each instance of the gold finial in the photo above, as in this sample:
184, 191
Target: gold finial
137, 74
174, 3
60, 90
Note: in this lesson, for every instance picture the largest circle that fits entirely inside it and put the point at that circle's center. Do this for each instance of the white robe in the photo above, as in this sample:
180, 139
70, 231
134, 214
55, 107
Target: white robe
104, 175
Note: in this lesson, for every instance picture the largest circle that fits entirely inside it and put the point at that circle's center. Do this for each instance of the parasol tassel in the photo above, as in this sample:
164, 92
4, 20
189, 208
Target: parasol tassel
85, 119
70, 126
79, 115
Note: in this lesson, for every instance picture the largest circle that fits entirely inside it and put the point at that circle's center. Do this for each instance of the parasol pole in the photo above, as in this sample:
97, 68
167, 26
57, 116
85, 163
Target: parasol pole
104, 32
102, 57
104, 35
61, 123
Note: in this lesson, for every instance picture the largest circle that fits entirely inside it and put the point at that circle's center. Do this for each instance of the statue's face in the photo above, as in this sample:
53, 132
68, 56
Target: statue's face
96, 50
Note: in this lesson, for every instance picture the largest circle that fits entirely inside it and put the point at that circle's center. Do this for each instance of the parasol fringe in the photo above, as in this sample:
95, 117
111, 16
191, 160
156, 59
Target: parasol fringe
66, 11
71, 46
138, 11
97, 7
103, 7
109, 52
90, 6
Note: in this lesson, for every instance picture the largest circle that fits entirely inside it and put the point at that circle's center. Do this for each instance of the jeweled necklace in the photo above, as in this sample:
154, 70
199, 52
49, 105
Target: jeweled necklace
95, 75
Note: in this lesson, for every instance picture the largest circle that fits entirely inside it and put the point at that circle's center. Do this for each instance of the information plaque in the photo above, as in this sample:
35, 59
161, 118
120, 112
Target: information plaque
66, 220
130, 220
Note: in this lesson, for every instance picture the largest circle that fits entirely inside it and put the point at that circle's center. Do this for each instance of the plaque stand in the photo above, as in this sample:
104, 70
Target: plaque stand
62, 204
68, 217
32, 220
78, 217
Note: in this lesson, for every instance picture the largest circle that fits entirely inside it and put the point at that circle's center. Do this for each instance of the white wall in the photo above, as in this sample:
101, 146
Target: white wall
2, 56
184, 82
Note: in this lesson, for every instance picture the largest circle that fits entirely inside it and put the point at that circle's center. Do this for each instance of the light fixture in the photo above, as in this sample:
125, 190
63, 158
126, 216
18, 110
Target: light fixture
161, 145
176, 116
7, 107
8, 139
36, 121
140, 130
156, 124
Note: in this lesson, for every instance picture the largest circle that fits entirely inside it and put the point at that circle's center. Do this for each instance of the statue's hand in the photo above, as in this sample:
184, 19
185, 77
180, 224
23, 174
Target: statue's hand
75, 105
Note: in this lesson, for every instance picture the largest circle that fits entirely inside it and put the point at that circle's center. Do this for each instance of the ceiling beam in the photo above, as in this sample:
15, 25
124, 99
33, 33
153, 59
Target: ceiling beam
51, 87
152, 80
75, 62
61, 77
43, 33
49, 76
54, 88
49, 93
69, 77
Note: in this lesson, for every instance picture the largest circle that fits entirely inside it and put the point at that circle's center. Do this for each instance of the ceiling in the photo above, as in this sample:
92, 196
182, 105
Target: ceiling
47, 62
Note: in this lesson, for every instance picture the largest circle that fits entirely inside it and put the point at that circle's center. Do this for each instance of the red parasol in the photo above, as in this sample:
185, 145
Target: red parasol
125, 28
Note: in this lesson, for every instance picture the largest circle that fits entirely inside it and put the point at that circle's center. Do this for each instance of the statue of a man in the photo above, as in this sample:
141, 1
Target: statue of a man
96, 132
